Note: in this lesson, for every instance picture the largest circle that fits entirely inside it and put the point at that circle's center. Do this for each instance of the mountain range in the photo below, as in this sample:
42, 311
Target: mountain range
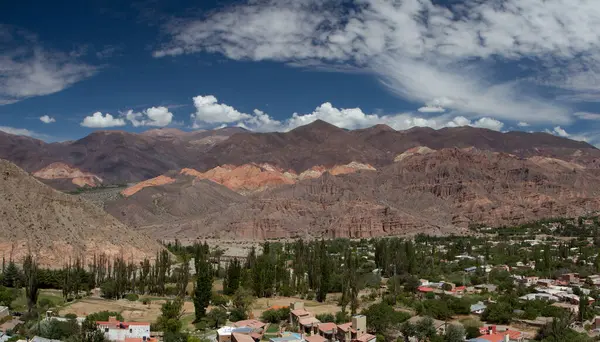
319, 180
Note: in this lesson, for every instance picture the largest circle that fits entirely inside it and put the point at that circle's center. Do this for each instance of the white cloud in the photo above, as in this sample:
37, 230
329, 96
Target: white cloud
349, 118
28, 69
561, 132
587, 116
460, 49
209, 111
154, 116
522, 124
47, 119
431, 109
97, 120
488, 123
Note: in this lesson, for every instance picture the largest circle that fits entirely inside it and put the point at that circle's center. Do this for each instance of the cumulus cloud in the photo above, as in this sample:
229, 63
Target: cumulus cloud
98, 120
422, 50
27, 69
349, 118
47, 119
154, 116
208, 110
561, 132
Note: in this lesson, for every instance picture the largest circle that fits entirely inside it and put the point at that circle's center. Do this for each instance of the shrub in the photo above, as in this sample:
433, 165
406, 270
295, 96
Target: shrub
276, 316
326, 318
218, 300
71, 316
132, 297
146, 301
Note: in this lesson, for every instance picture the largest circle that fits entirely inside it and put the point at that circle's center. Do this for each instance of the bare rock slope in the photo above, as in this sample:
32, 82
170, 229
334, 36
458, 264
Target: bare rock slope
425, 191
54, 226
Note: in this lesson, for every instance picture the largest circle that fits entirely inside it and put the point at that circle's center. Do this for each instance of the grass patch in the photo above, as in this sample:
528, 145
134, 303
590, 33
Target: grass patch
20, 303
272, 329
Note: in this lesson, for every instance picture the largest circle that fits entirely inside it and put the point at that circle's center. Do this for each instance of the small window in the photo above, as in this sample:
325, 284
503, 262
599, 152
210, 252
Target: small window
105, 329
130, 331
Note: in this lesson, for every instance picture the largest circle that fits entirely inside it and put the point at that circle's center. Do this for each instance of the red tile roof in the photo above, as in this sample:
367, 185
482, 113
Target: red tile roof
425, 289
315, 338
327, 327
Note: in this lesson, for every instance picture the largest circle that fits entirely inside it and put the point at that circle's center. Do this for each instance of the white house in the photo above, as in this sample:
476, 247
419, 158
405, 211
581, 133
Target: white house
120, 331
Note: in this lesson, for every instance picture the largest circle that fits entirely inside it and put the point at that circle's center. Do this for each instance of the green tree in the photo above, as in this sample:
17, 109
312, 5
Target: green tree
326, 318
383, 318
242, 300
217, 317
425, 329
170, 319
583, 308
233, 277
32, 289
203, 291
454, 333
500, 313
103, 316
11, 276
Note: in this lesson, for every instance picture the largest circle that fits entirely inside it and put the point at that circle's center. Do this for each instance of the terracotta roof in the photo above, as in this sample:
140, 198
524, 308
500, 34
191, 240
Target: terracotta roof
327, 327
315, 338
345, 326
241, 337
425, 289
300, 312
252, 323
498, 337
365, 338
308, 320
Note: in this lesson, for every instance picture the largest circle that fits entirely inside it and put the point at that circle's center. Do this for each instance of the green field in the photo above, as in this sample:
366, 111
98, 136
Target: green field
54, 296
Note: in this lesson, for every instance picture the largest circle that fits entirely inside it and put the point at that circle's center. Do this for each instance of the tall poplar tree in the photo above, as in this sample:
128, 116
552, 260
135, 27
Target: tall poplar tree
203, 291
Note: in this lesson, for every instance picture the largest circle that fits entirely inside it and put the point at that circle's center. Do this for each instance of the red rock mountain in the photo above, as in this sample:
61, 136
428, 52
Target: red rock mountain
426, 191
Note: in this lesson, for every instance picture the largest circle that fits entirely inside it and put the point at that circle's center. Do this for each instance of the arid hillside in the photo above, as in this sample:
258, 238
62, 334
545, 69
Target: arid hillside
425, 191
54, 226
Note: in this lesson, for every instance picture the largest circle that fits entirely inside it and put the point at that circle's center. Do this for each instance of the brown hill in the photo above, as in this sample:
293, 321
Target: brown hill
250, 178
425, 191
120, 157
186, 200
54, 226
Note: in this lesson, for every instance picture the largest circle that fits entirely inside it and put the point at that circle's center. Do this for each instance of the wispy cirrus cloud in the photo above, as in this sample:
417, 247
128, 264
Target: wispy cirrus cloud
421, 50
28, 69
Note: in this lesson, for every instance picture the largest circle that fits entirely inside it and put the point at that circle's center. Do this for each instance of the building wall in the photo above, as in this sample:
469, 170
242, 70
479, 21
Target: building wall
4, 311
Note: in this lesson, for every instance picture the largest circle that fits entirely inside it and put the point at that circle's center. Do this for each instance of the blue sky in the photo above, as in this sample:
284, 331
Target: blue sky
272, 65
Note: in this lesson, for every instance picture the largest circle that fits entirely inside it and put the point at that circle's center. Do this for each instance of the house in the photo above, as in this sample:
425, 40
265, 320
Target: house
302, 319
596, 323
354, 331
315, 338
491, 334
225, 334
486, 287
478, 308
114, 330
528, 281
4, 312
570, 278
328, 331
254, 324
545, 282
239, 337
570, 307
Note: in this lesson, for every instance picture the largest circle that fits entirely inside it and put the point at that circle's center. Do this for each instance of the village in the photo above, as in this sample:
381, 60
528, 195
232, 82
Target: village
497, 285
